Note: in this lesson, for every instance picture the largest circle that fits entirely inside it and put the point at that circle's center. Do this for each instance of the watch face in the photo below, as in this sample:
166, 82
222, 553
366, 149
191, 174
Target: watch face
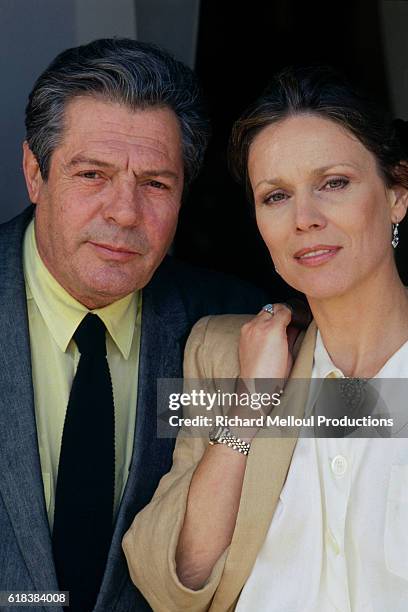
216, 432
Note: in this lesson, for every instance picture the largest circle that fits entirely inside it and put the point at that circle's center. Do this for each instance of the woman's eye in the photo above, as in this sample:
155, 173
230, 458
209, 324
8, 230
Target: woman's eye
272, 198
336, 183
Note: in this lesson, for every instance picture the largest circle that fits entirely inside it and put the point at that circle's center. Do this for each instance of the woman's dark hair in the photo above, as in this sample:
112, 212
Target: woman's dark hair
320, 91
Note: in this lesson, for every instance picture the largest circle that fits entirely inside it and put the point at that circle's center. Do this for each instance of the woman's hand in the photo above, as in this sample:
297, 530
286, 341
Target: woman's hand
215, 489
265, 345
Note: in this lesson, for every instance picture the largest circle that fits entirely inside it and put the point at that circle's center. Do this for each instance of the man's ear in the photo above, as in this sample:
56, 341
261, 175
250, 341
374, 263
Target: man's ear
32, 173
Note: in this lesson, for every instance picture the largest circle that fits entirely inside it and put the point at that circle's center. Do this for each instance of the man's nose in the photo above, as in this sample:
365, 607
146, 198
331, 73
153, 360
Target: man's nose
308, 213
125, 206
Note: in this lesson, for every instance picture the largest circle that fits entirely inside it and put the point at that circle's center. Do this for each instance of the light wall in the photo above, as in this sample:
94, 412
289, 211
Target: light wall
32, 32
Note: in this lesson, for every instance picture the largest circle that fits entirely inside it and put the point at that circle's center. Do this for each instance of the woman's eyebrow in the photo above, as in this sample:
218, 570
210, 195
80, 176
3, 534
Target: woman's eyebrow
334, 165
316, 171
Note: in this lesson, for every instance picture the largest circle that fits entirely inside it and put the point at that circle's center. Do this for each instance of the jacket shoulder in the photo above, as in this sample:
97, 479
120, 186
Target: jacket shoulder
12, 232
212, 347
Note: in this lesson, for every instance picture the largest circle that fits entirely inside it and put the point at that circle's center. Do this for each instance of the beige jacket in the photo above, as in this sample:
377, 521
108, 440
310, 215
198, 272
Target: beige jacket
150, 544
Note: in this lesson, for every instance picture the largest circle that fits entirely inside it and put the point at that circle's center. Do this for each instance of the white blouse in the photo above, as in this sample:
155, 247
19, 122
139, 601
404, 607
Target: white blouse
338, 541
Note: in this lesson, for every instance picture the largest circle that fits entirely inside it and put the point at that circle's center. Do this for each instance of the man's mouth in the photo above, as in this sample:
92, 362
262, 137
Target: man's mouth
114, 252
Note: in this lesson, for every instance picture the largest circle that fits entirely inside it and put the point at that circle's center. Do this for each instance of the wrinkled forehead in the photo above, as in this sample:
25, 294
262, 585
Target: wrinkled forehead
94, 127
97, 112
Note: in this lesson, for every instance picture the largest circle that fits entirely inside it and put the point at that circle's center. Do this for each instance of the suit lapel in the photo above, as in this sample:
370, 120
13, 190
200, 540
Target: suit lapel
267, 467
163, 327
21, 484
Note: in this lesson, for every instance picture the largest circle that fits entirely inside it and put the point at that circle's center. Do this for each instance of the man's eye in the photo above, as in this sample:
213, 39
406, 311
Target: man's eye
272, 198
157, 185
336, 183
90, 175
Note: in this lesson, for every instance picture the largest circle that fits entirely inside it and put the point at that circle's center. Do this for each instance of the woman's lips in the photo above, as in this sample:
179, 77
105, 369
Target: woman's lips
316, 255
107, 251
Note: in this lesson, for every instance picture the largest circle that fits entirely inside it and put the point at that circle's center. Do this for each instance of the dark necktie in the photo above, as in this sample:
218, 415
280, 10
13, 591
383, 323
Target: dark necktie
86, 473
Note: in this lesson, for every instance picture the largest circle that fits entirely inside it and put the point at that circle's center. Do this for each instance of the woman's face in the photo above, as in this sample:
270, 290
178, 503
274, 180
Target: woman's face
321, 205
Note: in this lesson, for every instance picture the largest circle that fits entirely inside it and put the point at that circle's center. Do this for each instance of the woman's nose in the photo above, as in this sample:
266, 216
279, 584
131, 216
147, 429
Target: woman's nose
308, 213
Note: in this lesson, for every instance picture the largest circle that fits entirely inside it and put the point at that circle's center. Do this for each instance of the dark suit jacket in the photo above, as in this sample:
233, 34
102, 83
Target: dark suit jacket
174, 299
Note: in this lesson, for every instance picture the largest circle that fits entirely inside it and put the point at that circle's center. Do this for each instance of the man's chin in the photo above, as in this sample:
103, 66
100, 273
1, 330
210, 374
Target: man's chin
94, 294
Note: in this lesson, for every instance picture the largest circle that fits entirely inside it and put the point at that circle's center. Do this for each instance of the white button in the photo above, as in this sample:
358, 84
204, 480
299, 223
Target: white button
339, 465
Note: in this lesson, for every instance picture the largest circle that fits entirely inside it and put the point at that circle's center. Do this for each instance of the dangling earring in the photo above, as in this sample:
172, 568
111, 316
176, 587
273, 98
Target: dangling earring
395, 237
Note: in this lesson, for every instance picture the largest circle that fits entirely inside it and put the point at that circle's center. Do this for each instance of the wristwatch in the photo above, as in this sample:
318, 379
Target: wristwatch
223, 435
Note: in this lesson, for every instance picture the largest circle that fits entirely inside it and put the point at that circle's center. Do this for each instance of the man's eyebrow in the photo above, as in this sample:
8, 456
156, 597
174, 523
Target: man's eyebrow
80, 159
163, 172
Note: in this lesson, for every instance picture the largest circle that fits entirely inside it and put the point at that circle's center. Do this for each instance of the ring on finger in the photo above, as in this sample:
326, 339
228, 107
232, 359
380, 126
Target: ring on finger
269, 309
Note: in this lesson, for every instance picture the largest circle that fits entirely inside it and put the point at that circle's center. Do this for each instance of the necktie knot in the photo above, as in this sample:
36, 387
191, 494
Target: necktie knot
90, 336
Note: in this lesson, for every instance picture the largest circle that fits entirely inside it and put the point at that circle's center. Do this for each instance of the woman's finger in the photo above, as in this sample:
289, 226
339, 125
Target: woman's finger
270, 310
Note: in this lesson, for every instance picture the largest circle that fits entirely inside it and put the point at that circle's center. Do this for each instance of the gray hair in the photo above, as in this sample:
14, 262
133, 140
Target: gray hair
138, 75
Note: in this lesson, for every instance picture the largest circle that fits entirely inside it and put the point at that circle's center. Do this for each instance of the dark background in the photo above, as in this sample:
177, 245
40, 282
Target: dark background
235, 48
237, 52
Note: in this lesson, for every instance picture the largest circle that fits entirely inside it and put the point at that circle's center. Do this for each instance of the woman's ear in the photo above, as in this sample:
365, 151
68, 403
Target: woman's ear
399, 194
32, 173
399, 203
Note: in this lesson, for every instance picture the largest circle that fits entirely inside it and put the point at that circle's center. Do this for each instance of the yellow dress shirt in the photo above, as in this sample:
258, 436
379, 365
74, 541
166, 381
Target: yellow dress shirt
54, 315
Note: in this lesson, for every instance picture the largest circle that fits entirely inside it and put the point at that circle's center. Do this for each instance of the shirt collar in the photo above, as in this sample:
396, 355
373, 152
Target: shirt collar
323, 367
62, 313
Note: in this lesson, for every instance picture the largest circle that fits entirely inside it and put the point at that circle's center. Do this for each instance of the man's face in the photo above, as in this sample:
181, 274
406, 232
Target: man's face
108, 211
